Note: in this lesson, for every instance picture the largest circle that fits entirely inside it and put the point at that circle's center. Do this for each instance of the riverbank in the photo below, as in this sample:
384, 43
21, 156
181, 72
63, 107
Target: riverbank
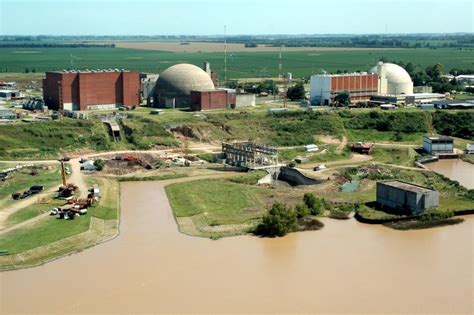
164, 265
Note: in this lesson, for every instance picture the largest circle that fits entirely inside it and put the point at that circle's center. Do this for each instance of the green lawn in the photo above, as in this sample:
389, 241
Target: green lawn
221, 201
45, 231
394, 155
107, 207
30, 212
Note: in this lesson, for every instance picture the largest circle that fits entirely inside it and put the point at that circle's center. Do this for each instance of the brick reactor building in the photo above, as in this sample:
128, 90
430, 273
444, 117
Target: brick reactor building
360, 86
89, 90
212, 99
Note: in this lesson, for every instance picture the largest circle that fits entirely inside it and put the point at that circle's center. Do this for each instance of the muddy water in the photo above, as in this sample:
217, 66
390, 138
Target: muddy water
458, 170
347, 267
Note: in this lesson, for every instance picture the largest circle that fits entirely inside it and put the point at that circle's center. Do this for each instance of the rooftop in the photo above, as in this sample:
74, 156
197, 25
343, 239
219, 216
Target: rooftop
407, 186
89, 71
437, 137
329, 75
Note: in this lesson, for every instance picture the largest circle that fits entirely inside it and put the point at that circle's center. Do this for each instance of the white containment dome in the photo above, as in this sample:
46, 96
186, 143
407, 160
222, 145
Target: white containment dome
393, 79
175, 84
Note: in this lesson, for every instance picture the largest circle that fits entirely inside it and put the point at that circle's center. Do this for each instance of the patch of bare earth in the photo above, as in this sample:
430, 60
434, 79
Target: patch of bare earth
219, 47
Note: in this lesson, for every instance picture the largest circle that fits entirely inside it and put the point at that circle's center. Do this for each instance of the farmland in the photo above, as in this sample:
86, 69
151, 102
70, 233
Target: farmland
239, 64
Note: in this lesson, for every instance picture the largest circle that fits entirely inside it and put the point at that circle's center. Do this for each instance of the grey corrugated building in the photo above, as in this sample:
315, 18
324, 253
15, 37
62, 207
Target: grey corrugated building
405, 196
6, 114
438, 144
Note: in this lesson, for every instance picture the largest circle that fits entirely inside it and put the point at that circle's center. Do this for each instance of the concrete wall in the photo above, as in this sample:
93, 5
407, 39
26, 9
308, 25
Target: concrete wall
295, 178
245, 100
397, 198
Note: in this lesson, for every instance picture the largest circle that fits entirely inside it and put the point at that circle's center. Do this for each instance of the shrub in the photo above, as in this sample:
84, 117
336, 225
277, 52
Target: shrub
470, 194
302, 211
279, 221
99, 164
310, 200
314, 204
436, 215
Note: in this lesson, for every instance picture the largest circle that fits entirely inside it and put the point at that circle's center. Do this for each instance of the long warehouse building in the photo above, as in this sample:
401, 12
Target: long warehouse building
91, 90
360, 86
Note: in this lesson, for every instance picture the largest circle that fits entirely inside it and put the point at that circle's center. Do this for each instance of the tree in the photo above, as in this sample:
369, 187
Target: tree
410, 68
343, 99
279, 221
296, 92
435, 71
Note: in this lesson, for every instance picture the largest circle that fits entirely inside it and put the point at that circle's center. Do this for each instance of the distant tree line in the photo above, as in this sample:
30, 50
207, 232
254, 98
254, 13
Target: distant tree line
53, 45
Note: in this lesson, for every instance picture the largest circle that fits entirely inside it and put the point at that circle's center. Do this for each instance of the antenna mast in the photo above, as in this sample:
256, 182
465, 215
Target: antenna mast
225, 54
280, 66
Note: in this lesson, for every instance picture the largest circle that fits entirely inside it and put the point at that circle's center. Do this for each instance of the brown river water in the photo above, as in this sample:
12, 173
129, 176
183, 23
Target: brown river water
347, 267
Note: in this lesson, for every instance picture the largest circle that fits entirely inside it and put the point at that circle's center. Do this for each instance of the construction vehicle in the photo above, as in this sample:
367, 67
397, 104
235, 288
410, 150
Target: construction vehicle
32, 191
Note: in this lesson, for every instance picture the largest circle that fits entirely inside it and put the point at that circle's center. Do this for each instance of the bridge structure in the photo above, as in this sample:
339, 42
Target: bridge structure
251, 155
111, 121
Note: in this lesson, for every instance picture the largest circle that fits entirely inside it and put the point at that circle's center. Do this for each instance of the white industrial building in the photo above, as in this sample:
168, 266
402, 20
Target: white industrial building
393, 79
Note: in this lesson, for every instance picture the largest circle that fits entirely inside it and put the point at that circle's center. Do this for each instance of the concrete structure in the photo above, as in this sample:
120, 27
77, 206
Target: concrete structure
404, 196
423, 98
173, 87
438, 144
465, 79
212, 99
469, 148
388, 107
7, 95
454, 104
243, 99
423, 89
86, 90
377, 100
311, 148
6, 114
34, 104
325, 87
147, 86
249, 154
276, 110
392, 79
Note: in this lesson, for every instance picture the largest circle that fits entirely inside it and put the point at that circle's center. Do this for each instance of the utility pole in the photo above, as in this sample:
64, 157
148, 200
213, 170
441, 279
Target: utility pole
225, 54
280, 65
285, 90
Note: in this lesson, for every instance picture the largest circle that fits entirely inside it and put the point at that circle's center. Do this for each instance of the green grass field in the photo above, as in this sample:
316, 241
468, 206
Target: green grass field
239, 64
30, 212
45, 231
221, 201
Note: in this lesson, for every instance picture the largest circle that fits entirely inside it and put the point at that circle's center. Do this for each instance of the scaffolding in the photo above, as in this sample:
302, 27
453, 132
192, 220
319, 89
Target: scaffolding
249, 154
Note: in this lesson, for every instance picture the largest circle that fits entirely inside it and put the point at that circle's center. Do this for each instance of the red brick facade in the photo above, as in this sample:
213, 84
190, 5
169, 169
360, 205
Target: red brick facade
360, 86
212, 99
88, 90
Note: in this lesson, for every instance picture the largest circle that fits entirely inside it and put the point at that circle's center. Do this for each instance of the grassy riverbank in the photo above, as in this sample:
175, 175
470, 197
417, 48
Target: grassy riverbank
225, 207
296, 127
48, 238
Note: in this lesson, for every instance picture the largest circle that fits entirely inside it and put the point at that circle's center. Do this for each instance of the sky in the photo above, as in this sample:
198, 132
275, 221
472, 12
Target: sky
250, 17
